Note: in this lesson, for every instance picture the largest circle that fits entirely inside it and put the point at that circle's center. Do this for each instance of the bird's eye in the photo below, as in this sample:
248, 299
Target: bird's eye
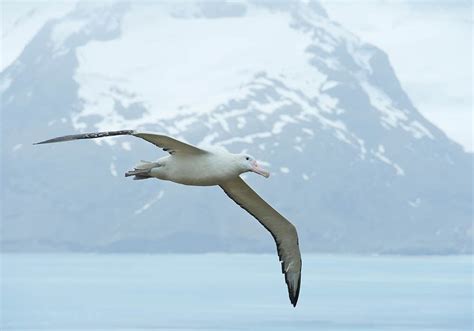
247, 158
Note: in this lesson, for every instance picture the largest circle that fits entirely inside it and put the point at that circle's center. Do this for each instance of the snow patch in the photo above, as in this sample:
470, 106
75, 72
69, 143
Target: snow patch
298, 148
208, 140
241, 121
62, 31
271, 107
284, 170
342, 137
182, 124
329, 84
281, 123
380, 154
415, 203
113, 169
249, 139
309, 132
392, 116
150, 203
5, 83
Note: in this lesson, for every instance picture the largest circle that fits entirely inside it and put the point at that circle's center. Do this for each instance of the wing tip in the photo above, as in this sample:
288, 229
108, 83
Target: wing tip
293, 288
45, 142
294, 297
92, 135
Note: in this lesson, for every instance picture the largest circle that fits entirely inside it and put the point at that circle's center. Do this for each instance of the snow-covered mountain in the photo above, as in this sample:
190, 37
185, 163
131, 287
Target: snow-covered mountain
355, 166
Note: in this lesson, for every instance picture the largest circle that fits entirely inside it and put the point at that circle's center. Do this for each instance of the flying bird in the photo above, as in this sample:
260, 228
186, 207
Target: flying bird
191, 165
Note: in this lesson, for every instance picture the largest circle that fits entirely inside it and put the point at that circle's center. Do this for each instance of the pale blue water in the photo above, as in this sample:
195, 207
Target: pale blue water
234, 292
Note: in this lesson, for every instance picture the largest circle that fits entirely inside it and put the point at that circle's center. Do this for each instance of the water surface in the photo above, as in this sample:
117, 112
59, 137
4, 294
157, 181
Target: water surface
234, 292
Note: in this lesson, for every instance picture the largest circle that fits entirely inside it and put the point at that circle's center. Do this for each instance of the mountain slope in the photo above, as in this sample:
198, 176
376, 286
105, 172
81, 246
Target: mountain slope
355, 166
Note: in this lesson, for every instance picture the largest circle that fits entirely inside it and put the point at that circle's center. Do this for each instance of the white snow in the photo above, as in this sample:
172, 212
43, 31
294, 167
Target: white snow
62, 31
5, 83
308, 131
363, 150
113, 169
298, 148
380, 154
399, 170
392, 116
190, 74
415, 203
175, 66
150, 203
182, 124
420, 130
249, 139
208, 140
327, 103
281, 123
271, 107
284, 170
21, 21
342, 137
241, 122
329, 84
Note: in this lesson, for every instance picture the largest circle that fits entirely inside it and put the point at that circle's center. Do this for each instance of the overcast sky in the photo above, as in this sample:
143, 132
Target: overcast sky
429, 44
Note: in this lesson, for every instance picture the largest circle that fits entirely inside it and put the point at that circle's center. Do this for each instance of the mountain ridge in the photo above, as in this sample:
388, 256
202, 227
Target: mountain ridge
337, 130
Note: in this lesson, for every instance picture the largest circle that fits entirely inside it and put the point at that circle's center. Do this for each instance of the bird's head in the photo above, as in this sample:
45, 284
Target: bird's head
248, 163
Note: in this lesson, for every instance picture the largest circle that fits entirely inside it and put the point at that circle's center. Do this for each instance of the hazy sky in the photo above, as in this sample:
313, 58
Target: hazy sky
429, 44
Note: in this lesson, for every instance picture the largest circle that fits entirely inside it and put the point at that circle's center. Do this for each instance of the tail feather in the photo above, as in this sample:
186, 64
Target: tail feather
146, 165
142, 170
138, 177
137, 172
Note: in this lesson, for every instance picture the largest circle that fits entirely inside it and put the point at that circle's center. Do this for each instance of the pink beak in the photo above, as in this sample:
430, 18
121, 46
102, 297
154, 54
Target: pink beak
258, 170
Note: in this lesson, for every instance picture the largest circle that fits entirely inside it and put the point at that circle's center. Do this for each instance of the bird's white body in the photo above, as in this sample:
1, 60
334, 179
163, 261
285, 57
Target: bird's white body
190, 165
199, 170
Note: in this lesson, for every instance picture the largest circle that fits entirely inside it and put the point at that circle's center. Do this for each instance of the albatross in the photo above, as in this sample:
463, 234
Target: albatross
190, 165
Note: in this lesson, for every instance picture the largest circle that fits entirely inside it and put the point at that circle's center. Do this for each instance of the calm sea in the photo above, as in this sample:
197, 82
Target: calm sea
234, 292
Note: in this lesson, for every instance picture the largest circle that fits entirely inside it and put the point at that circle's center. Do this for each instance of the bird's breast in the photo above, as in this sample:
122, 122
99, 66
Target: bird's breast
203, 170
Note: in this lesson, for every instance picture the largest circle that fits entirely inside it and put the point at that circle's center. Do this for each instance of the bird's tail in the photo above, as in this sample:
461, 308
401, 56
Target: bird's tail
142, 170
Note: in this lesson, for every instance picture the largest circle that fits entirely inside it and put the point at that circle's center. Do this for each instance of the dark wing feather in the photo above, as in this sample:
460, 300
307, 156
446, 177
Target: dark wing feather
168, 144
92, 135
283, 232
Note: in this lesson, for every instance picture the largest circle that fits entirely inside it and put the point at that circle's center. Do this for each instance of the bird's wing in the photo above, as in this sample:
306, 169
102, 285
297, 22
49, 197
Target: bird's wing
168, 144
281, 229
